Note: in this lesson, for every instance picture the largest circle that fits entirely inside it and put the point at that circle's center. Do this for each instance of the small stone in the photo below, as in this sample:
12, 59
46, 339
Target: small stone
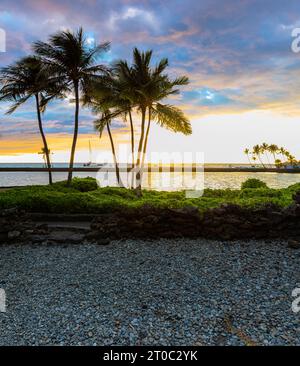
13, 234
294, 244
103, 241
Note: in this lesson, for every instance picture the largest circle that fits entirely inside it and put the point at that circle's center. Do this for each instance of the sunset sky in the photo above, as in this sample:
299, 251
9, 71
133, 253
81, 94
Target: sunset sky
244, 78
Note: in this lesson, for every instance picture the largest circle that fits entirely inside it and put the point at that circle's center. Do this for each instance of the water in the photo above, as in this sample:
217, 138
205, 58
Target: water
162, 181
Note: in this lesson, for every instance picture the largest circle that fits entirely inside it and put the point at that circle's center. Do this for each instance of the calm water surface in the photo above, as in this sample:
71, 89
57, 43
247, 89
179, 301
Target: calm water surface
163, 181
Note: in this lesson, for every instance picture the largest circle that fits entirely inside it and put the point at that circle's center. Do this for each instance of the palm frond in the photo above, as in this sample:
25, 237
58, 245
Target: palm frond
17, 104
171, 118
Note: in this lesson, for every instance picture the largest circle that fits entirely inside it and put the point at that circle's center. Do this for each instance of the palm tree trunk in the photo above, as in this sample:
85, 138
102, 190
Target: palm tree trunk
43, 137
249, 159
260, 159
268, 159
75, 136
132, 148
146, 143
138, 163
114, 155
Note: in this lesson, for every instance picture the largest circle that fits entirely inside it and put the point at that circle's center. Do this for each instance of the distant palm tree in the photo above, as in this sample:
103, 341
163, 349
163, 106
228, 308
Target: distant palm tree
282, 151
265, 149
26, 79
72, 60
44, 153
273, 150
247, 152
278, 163
292, 160
257, 152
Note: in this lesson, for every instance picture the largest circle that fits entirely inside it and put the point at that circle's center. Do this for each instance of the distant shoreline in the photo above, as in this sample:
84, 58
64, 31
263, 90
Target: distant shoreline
159, 169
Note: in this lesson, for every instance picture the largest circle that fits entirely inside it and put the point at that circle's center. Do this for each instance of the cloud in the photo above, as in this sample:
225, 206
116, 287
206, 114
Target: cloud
237, 54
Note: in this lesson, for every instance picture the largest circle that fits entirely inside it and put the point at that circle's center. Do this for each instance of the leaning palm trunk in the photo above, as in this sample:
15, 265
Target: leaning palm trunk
115, 157
43, 137
268, 159
75, 136
132, 149
140, 149
145, 144
249, 159
260, 159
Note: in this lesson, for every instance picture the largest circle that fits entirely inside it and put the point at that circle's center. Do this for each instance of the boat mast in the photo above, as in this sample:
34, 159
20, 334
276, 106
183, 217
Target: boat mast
90, 149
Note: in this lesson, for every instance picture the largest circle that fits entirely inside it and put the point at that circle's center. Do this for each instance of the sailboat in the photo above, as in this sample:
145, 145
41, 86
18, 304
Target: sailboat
90, 151
90, 164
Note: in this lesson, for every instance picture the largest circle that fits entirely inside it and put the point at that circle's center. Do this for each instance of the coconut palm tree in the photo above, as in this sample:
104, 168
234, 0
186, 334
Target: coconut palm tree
247, 152
278, 163
44, 154
28, 79
143, 88
152, 86
282, 151
265, 149
273, 150
257, 152
126, 99
70, 58
291, 159
100, 124
115, 95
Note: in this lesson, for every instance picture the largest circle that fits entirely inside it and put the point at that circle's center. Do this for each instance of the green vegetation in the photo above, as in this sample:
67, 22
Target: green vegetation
254, 183
83, 196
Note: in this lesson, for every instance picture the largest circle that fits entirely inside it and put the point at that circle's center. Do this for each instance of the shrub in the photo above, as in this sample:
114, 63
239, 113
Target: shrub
84, 197
253, 183
84, 184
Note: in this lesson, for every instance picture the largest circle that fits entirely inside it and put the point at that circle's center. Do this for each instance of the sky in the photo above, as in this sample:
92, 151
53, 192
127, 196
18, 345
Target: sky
244, 76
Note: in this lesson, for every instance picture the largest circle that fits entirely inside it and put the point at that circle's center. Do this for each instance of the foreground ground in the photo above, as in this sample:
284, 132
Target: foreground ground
166, 292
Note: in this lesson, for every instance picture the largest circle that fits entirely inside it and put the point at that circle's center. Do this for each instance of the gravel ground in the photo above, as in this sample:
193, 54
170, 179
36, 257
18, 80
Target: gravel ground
166, 292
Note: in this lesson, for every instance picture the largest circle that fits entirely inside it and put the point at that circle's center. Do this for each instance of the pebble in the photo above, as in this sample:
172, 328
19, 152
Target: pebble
182, 292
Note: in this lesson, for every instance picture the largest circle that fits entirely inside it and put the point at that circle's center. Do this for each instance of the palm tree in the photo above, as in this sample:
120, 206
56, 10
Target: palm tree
273, 150
70, 58
282, 151
257, 152
291, 159
126, 98
141, 87
26, 79
265, 149
44, 153
100, 124
152, 86
114, 94
278, 163
247, 152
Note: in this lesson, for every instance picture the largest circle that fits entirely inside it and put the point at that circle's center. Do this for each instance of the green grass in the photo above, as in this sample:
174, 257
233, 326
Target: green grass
84, 197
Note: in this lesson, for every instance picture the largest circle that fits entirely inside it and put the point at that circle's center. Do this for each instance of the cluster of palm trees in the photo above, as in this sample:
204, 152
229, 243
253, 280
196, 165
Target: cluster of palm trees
269, 155
67, 65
